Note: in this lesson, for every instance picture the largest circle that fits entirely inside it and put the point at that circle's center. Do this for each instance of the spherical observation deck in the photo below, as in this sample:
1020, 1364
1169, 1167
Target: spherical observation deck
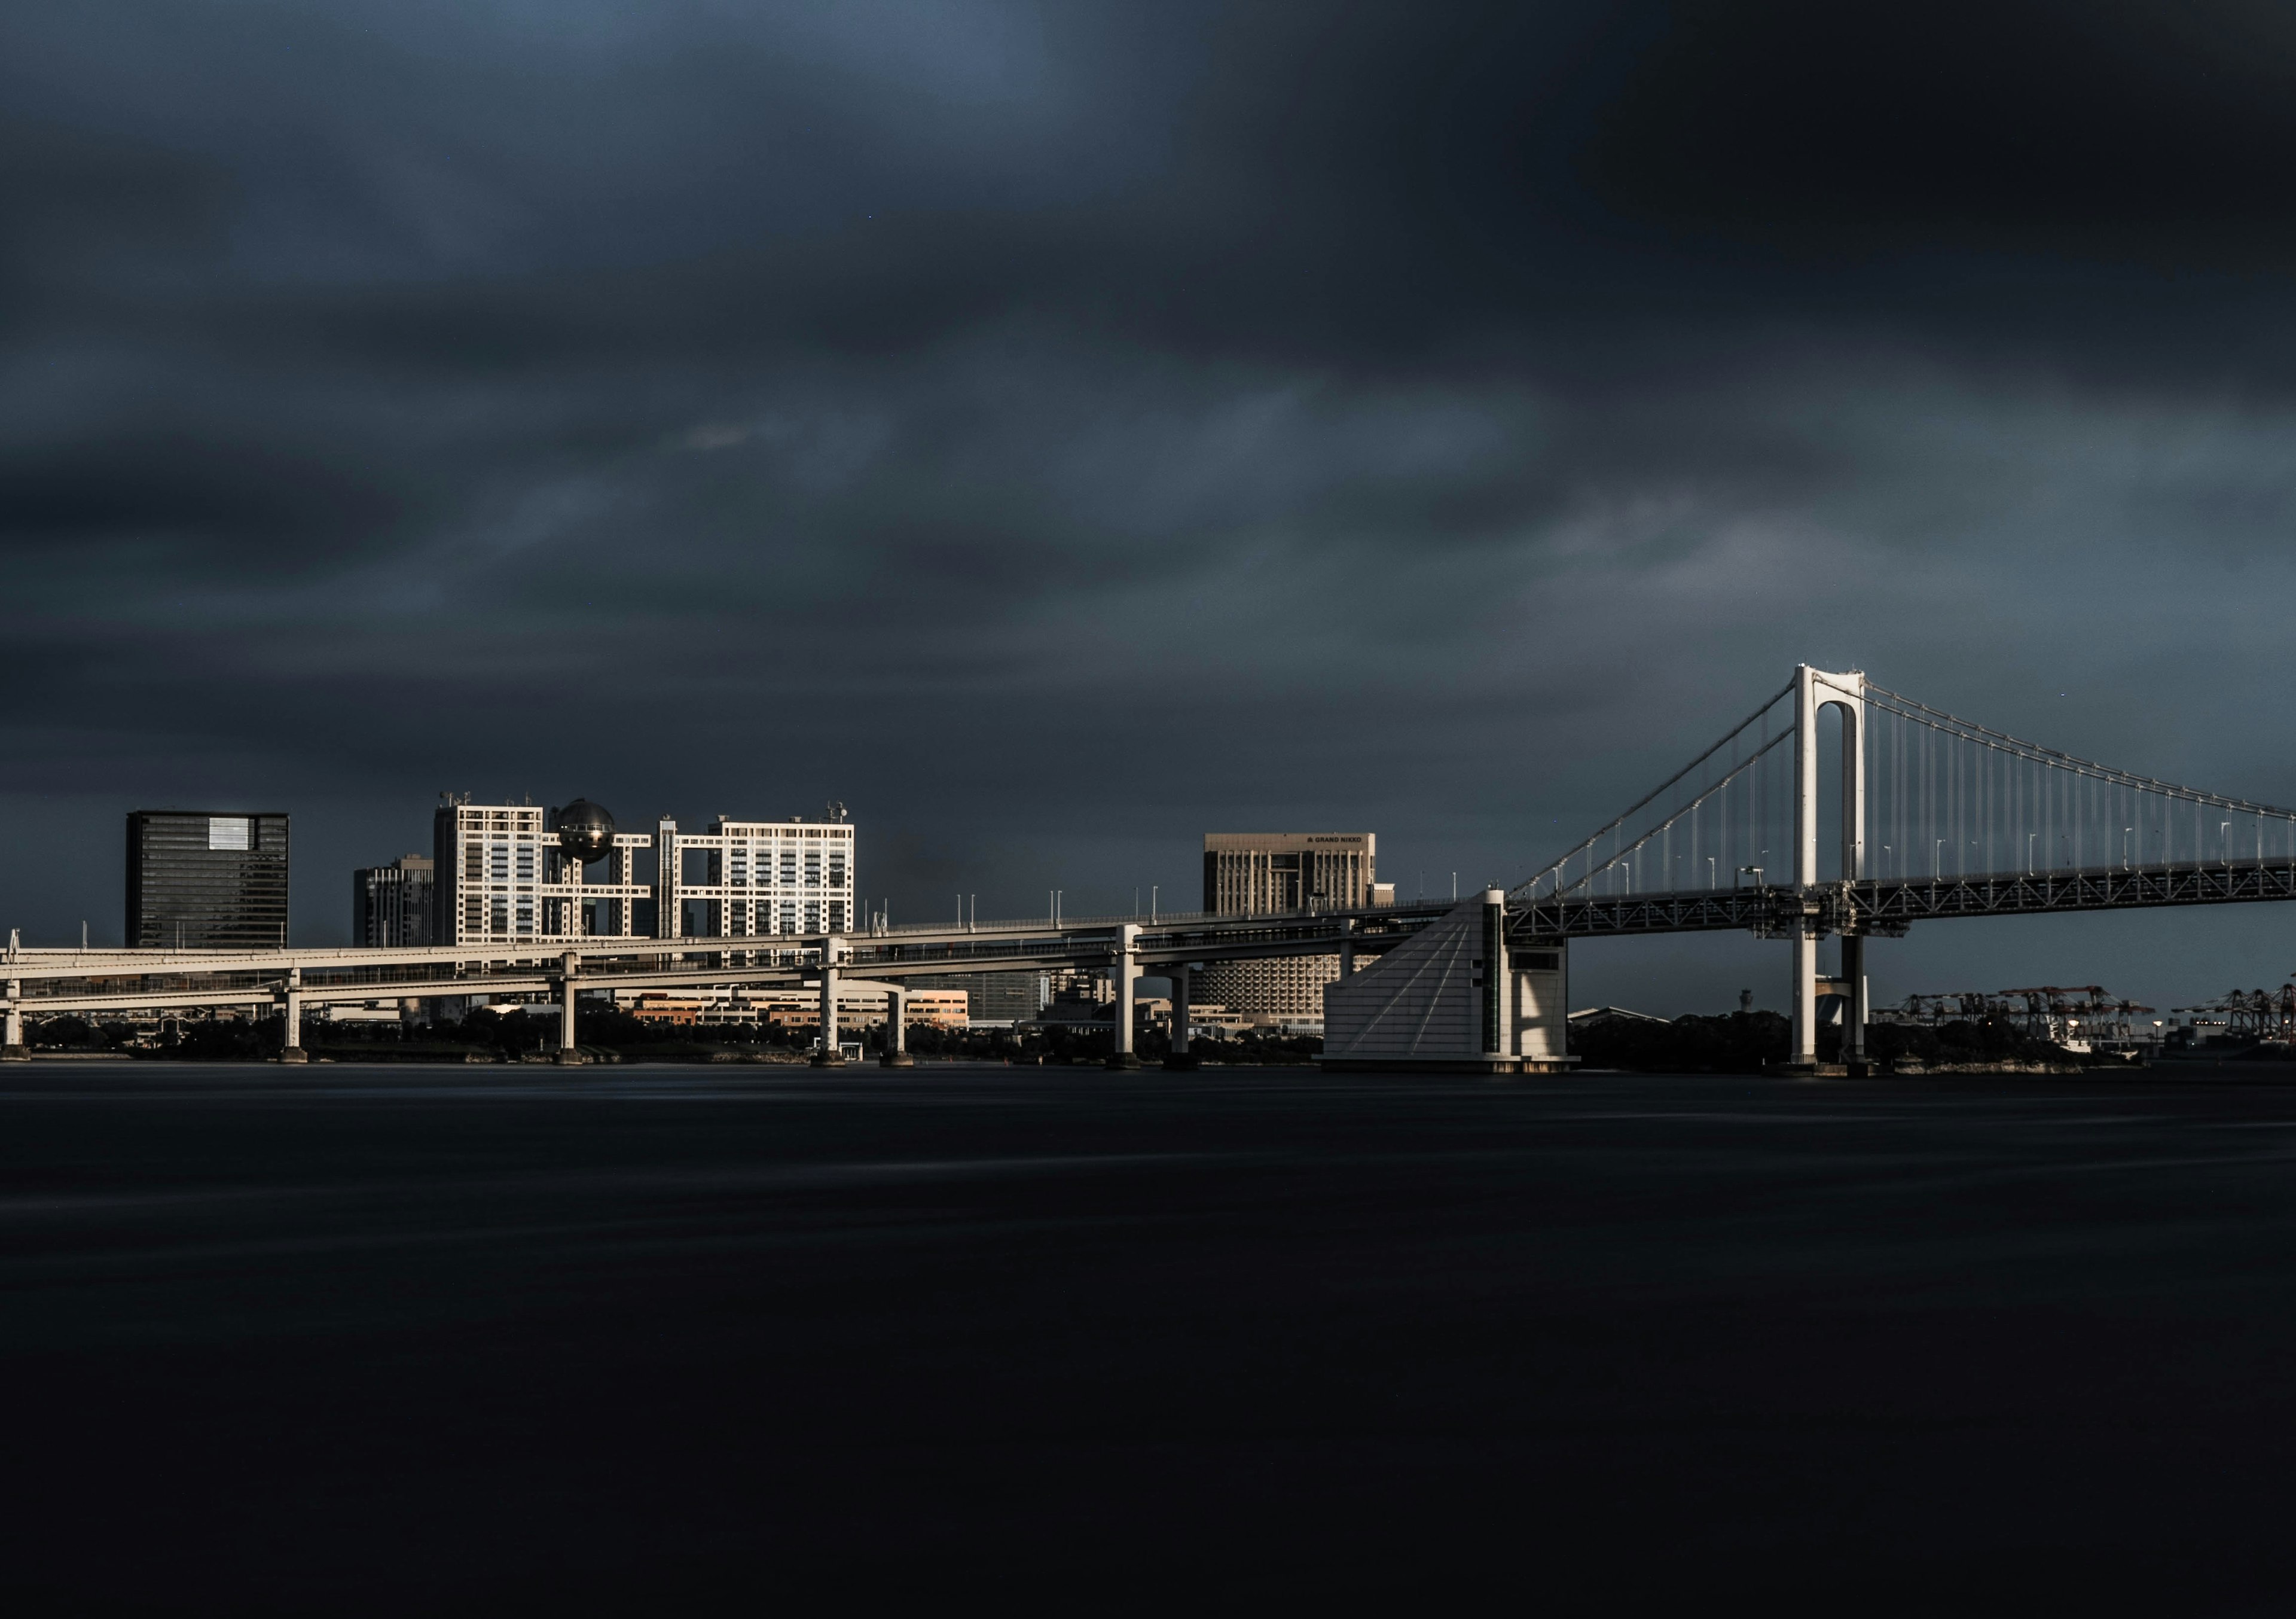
586, 831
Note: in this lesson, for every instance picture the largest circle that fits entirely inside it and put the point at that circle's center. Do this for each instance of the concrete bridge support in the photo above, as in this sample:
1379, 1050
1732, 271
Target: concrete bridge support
1815, 689
570, 1055
897, 1031
292, 1000
1183, 1055
14, 1050
1853, 975
829, 1055
1125, 969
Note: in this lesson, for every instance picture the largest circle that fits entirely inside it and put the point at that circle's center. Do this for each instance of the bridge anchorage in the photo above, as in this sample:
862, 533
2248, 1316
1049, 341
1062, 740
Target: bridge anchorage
1934, 815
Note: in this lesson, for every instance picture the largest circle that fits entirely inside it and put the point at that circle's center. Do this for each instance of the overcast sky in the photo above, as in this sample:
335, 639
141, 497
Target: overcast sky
1058, 430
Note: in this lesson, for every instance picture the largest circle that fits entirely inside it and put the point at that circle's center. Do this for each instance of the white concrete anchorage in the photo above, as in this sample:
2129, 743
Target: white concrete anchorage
1453, 997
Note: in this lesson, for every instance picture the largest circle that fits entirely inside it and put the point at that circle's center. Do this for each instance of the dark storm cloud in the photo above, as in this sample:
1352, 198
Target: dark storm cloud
1058, 429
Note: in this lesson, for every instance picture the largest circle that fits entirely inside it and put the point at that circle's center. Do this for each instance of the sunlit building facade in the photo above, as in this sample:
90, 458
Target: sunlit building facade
502, 878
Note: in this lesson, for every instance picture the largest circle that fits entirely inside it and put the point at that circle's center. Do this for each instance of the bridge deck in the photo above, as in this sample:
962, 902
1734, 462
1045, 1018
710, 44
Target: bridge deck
1874, 905
58, 981
111, 980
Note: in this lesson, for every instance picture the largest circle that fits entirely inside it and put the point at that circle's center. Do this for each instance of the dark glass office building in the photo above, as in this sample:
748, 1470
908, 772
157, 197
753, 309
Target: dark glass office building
206, 881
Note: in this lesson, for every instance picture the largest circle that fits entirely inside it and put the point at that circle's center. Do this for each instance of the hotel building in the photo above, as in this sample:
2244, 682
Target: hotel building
1251, 874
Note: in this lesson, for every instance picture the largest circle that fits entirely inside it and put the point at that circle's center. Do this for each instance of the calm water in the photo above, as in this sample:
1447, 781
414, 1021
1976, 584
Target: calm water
365, 1339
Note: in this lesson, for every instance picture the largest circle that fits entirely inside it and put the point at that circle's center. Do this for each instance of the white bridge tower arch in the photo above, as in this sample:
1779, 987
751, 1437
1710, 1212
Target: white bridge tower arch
1815, 689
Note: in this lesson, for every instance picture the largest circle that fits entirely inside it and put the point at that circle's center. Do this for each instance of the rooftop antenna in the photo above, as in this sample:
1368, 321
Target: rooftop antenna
836, 810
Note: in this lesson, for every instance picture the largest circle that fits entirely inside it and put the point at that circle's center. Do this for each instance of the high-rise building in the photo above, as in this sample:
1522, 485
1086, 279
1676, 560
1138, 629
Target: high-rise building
1254, 874
393, 904
203, 880
1249, 874
508, 873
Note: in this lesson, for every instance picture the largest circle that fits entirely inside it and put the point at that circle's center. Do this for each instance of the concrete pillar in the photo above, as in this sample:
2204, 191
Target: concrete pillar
1125, 966
829, 1055
293, 1050
1183, 1055
896, 1029
569, 969
1498, 984
1347, 946
1804, 1055
1853, 1023
15, 1050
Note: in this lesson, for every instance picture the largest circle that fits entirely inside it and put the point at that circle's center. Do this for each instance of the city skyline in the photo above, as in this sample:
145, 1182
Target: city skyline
1058, 436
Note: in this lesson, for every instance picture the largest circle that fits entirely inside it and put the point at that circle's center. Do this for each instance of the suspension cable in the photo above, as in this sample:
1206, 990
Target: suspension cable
1920, 713
1555, 868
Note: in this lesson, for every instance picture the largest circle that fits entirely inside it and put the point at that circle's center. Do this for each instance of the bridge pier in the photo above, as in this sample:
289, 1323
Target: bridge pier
1183, 1057
897, 1031
829, 1055
569, 1055
1125, 968
292, 1051
1803, 1058
14, 1050
1853, 1021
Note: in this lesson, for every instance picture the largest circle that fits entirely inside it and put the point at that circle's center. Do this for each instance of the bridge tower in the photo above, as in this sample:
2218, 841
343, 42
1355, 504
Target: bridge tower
1815, 689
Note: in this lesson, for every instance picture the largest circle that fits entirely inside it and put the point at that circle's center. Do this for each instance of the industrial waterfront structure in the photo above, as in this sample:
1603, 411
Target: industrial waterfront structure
516, 873
201, 880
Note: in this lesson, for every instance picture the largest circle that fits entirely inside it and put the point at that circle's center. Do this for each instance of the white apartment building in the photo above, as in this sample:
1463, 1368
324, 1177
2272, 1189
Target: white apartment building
503, 878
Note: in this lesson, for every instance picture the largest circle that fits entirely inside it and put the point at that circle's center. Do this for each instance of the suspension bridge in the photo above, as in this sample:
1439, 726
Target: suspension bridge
1937, 815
